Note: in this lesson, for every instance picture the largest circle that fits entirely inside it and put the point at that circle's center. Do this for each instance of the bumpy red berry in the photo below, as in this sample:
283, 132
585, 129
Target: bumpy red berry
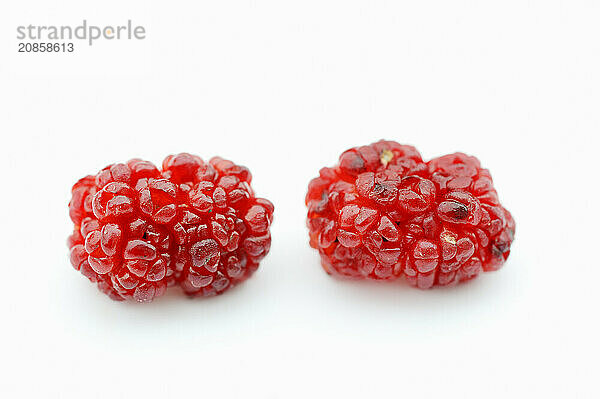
196, 224
382, 213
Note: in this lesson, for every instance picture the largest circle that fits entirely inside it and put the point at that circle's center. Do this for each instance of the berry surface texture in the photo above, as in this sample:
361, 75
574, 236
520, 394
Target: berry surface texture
382, 213
193, 224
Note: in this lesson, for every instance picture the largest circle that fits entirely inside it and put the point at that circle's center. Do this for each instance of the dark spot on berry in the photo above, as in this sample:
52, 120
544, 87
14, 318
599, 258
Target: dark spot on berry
495, 251
383, 193
378, 189
322, 205
500, 247
460, 212
352, 164
357, 164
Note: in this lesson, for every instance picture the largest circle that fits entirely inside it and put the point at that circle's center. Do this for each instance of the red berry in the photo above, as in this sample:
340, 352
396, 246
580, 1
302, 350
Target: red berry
383, 212
195, 224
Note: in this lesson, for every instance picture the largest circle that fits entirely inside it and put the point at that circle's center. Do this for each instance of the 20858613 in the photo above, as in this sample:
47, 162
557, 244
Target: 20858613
37, 47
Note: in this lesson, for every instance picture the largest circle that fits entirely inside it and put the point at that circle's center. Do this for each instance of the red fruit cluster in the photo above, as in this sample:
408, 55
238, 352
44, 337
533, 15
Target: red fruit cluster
195, 224
383, 213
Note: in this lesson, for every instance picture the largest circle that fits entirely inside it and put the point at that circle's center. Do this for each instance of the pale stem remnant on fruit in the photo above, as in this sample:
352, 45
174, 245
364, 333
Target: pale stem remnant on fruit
386, 157
448, 237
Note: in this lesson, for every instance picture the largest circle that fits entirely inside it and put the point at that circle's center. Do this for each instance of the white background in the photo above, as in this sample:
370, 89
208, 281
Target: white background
283, 88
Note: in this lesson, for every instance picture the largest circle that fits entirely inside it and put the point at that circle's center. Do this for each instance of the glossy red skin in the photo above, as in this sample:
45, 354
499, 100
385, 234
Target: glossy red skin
382, 213
196, 224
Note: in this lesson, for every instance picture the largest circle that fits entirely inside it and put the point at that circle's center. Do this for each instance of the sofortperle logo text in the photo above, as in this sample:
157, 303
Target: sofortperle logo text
85, 31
